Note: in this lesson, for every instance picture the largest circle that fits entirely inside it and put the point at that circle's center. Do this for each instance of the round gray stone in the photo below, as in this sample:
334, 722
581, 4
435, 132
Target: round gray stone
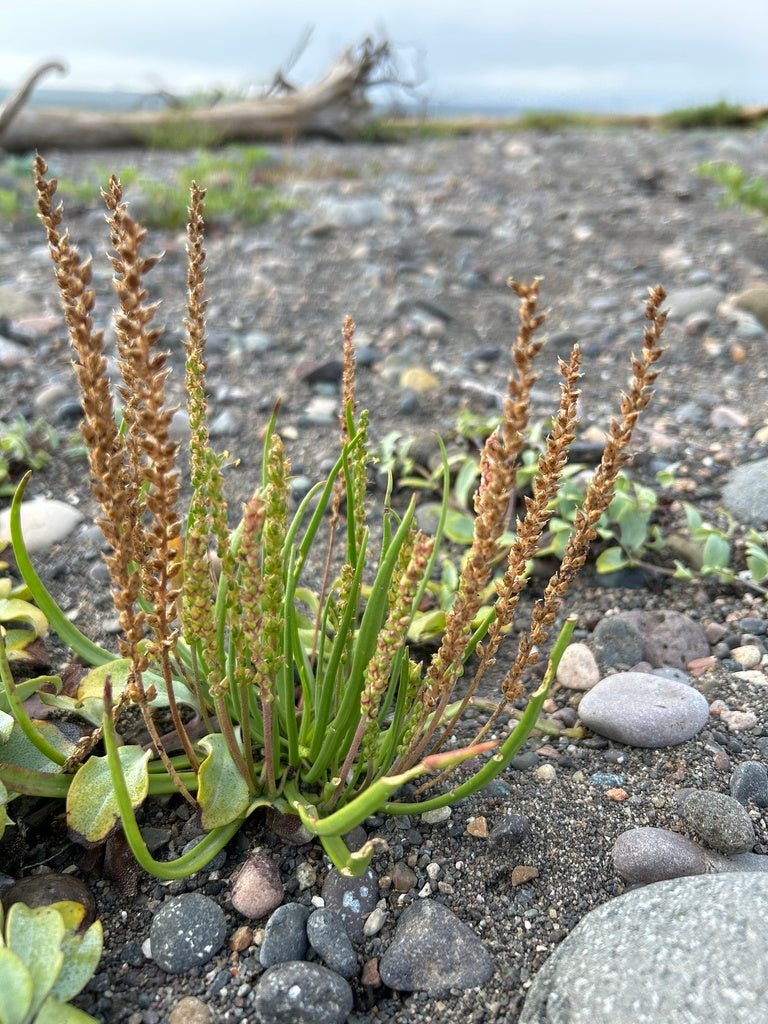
689, 949
328, 937
749, 781
745, 494
285, 936
186, 932
644, 710
720, 821
433, 951
300, 993
352, 898
643, 855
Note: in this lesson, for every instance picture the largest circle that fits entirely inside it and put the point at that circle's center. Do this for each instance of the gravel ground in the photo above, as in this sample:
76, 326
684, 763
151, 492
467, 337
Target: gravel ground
422, 268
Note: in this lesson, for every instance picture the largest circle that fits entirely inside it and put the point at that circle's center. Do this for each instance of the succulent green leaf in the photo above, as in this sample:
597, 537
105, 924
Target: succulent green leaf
35, 937
716, 554
81, 958
92, 808
19, 750
16, 987
611, 560
53, 1011
14, 610
222, 791
6, 726
91, 689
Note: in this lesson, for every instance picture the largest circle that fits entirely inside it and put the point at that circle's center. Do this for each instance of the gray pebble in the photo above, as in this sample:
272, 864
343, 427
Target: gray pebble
328, 937
434, 951
749, 781
617, 642
352, 898
687, 301
186, 932
644, 710
720, 821
302, 993
745, 494
643, 855
285, 936
509, 831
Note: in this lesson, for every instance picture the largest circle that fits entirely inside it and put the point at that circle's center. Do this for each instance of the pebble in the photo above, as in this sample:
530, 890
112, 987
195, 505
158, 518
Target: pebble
51, 887
510, 831
684, 950
646, 854
745, 493
44, 522
617, 642
578, 668
736, 720
258, 889
748, 655
186, 932
329, 939
285, 935
687, 302
644, 710
353, 899
437, 816
434, 951
302, 993
669, 638
755, 301
190, 1010
749, 781
720, 821
374, 922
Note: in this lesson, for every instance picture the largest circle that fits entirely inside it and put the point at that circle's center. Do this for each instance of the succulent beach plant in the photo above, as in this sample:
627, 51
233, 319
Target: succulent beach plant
306, 700
45, 960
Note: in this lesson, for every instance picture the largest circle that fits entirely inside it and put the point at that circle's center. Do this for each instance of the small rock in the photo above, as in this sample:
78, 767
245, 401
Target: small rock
720, 821
523, 873
478, 827
509, 831
353, 899
749, 781
418, 380
755, 301
190, 1010
257, 890
745, 494
644, 855
748, 655
302, 993
403, 877
617, 642
370, 976
374, 922
241, 938
578, 669
40, 890
433, 951
644, 710
437, 816
689, 301
186, 932
285, 936
44, 522
737, 721
329, 939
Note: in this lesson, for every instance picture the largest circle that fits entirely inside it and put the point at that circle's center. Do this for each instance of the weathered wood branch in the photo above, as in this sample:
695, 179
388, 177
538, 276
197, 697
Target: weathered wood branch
15, 102
336, 106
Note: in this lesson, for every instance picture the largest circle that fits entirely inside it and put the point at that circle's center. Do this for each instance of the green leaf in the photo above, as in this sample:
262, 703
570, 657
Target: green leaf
14, 610
16, 988
53, 1011
459, 527
633, 526
466, 482
81, 958
92, 808
6, 726
716, 555
90, 692
611, 560
19, 750
35, 937
222, 791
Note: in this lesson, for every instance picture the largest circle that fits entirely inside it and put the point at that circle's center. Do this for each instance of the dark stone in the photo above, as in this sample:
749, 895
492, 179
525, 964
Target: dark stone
186, 932
302, 993
285, 936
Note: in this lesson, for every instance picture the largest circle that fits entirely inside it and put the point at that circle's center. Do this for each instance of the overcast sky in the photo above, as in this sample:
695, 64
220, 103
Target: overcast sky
623, 55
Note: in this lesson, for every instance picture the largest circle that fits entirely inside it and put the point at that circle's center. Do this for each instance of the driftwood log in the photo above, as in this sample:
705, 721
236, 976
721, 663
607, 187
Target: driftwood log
336, 107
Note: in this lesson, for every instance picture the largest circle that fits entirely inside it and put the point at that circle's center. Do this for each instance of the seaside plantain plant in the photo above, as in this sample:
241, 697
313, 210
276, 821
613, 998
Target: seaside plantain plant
305, 700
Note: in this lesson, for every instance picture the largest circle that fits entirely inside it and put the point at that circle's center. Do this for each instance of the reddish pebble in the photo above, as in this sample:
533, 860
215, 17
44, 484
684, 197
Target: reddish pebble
241, 938
370, 975
523, 873
617, 794
699, 666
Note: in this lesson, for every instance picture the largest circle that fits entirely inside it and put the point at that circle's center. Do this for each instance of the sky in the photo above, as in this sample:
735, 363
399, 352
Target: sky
598, 55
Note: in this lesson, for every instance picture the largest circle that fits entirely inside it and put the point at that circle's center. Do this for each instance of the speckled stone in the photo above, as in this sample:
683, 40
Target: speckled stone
302, 993
749, 781
720, 821
352, 898
690, 949
285, 936
434, 951
186, 932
